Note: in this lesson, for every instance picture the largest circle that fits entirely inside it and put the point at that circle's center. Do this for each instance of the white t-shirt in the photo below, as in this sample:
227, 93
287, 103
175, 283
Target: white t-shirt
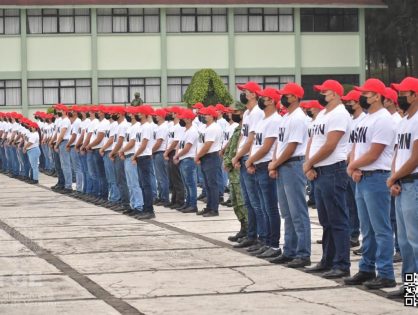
293, 128
92, 127
201, 133
353, 126
102, 127
112, 132
336, 120
131, 134
154, 133
213, 133
76, 129
162, 133
266, 128
228, 132
189, 136
222, 123
397, 118
122, 129
174, 133
249, 121
33, 137
66, 123
144, 132
406, 136
376, 128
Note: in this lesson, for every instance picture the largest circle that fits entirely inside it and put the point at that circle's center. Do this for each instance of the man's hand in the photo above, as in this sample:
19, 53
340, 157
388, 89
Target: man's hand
67, 148
307, 166
390, 182
122, 156
356, 176
311, 174
395, 190
133, 160
273, 173
251, 169
101, 152
196, 160
271, 166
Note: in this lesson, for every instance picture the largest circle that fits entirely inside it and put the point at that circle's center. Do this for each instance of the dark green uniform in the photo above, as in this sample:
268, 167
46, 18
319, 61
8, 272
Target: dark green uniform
137, 102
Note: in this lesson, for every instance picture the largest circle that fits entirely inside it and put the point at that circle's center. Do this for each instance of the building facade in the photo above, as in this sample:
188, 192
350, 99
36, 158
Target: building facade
89, 51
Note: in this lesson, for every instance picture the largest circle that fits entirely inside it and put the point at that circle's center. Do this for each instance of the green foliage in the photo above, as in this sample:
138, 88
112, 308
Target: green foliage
50, 110
347, 88
208, 88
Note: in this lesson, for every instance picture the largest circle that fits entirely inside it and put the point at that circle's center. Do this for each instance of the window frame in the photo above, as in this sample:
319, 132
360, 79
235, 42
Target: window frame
128, 15
196, 15
4, 17
262, 14
4, 88
328, 13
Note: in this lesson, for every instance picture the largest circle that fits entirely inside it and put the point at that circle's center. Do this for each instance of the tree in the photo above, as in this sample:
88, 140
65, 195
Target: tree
208, 88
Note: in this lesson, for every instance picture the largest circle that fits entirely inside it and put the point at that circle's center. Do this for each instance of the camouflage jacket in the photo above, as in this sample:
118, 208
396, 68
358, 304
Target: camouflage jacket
137, 102
229, 154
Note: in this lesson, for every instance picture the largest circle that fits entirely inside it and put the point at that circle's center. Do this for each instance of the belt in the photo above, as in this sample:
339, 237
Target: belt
370, 173
129, 155
409, 179
210, 154
294, 159
327, 168
262, 165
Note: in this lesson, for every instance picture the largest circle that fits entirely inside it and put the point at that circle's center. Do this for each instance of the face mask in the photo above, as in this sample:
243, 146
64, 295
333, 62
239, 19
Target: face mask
309, 113
349, 109
41, 119
59, 114
363, 102
169, 117
107, 116
88, 115
203, 120
243, 98
71, 115
403, 103
79, 115
53, 119
96, 115
322, 99
47, 121
236, 118
128, 118
285, 101
137, 118
115, 117
226, 117
182, 123
261, 103
154, 120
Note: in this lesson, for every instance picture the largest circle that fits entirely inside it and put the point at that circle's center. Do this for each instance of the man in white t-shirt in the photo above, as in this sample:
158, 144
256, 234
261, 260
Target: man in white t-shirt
208, 157
71, 148
369, 167
325, 162
403, 182
185, 154
266, 132
251, 117
287, 167
352, 105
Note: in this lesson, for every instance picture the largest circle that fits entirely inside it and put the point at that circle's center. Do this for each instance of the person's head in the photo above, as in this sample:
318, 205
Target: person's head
159, 116
196, 107
314, 108
351, 102
237, 112
292, 93
100, 113
143, 113
372, 94
330, 92
175, 111
209, 115
137, 95
391, 100
268, 98
249, 93
186, 118
408, 93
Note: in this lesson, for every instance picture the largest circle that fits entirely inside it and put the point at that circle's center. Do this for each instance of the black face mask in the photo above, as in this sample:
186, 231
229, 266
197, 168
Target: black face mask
403, 103
115, 117
309, 113
53, 119
154, 120
363, 102
203, 119
285, 101
182, 123
96, 115
71, 115
128, 118
243, 98
236, 118
79, 115
137, 117
261, 103
41, 119
226, 117
169, 117
349, 109
321, 99
59, 114
88, 115
107, 116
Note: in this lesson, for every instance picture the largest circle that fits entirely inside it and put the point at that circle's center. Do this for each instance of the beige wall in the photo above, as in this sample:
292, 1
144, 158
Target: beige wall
10, 54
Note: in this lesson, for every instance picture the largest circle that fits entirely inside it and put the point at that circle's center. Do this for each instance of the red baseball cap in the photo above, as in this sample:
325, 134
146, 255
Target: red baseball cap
391, 94
175, 110
198, 105
249, 86
187, 114
270, 93
330, 85
93, 108
220, 107
132, 109
145, 110
407, 84
372, 85
160, 112
353, 95
294, 89
315, 104
210, 110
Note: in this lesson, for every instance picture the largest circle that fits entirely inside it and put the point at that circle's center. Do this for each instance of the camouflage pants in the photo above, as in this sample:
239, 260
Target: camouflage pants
238, 202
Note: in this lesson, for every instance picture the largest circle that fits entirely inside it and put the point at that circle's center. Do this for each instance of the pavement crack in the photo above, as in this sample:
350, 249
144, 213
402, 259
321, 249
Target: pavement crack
252, 282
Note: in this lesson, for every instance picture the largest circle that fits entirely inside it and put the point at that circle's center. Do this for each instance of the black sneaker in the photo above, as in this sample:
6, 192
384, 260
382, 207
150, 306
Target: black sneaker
145, 215
175, 206
318, 268
358, 251
189, 210
359, 278
201, 197
270, 253
183, 206
380, 283
282, 259
261, 250
397, 258
354, 242
336, 274
299, 263
245, 243
211, 214
203, 211
255, 247
398, 294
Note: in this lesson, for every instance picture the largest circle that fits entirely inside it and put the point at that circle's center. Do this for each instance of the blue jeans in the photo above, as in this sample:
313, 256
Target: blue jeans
252, 203
94, 173
26, 165
33, 155
121, 180
66, 164
211, 163
352, 209
161, 172
103, 189
153, 180
144, 166
393, 223
267, 193
76, 165
19, 154
109, 166
188, 175
373, 203
330, 191
87, 183
136, 199
291, 192
407, 221
60, 174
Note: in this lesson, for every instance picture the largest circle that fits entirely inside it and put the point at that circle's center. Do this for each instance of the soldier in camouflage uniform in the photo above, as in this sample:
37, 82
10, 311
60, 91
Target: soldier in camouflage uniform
234, 174
137, 101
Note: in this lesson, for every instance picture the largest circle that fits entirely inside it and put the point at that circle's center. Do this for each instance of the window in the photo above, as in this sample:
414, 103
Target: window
308, 81
10, 92
65, 91
9, 22
329, 20
197, 20
277, 82
133, 20
120, 91
263, 20
50, 21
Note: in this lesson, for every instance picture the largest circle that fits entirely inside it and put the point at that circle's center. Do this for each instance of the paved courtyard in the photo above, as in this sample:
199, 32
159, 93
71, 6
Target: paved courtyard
59, 255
